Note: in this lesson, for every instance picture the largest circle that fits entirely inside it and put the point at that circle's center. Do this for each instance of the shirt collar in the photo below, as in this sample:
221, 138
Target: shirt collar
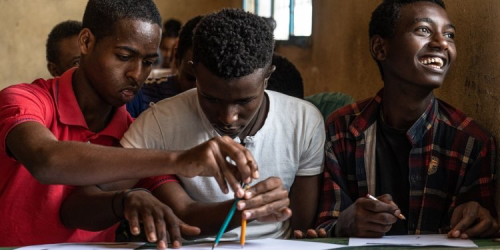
69, 111
368, 116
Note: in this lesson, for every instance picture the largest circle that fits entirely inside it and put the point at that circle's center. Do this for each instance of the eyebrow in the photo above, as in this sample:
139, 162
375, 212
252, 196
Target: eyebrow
134, 51
429, 20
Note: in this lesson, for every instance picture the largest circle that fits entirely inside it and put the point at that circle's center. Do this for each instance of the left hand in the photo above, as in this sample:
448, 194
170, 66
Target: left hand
267, 201
311, 233
471, 220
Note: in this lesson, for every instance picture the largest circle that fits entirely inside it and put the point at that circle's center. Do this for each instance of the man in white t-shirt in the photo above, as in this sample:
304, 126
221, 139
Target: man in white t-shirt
232, 52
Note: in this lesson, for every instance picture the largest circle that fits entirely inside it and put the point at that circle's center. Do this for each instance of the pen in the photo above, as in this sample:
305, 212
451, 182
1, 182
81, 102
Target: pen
400, 216
227, 220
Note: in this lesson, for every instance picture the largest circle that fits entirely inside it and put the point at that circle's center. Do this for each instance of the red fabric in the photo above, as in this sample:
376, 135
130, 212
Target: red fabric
29, 210
152, 183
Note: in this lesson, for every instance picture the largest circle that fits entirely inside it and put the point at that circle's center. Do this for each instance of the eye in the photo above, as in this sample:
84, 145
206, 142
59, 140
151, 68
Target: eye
423, 30
212, 100
450, 35
123, 57
76, 63
244, 102
149, 62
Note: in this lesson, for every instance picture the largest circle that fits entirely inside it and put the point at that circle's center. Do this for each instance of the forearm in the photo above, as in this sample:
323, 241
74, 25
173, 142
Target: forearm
91, 209
304, 195
207, 216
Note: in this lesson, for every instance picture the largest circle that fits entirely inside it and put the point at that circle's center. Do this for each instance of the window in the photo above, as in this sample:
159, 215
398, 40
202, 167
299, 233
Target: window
293, 18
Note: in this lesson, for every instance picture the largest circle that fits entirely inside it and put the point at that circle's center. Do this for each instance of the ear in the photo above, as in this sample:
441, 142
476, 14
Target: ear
378, 48
86, 41
269, 72
52, 67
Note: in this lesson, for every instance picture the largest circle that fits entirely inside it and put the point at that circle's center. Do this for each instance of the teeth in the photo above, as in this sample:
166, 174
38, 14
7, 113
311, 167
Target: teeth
433, 62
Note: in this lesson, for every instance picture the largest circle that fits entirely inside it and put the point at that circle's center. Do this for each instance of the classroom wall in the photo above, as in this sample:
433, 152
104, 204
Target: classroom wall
25, 25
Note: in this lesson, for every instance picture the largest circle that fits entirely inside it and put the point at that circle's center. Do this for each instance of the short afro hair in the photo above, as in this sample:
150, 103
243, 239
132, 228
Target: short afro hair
172, 28
101, 15
233, 43
186, 37
286, 78
386, 16
61, 31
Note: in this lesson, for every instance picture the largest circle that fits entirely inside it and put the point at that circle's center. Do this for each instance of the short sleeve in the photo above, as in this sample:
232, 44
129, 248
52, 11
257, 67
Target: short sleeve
144, 132
22, 103
311, 160
152, 183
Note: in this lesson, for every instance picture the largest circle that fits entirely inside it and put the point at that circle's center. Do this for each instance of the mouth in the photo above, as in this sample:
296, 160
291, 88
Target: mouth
433, 62
231, 132
128, 94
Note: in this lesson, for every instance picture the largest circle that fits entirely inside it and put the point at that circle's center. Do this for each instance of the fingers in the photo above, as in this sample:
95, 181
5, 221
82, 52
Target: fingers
462, 218
266, 200
310, 233
218, 173
298, 234
242, 157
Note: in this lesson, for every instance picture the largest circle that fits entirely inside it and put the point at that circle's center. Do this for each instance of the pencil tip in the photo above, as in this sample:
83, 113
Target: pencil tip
401, 216
214, 246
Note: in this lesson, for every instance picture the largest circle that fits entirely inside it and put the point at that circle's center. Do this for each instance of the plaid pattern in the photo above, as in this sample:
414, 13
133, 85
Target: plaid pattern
452, 162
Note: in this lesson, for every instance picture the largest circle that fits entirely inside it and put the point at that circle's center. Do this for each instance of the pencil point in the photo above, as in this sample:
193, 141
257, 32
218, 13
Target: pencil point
401, 216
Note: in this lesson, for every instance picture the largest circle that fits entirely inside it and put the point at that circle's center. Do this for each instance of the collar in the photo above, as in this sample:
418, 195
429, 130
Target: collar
368, 116
69, 111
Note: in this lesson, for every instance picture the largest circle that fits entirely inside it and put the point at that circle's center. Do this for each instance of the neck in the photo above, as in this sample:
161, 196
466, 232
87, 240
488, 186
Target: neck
96, 111
402, 105
258, 120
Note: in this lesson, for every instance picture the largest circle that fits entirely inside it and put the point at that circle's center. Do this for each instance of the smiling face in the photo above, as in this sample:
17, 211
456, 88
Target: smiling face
423, 47
117, 65
231, 104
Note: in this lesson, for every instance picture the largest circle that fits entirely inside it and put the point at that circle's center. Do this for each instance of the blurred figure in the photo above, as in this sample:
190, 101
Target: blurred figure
62, 51
159, 88
286, 79
169, 40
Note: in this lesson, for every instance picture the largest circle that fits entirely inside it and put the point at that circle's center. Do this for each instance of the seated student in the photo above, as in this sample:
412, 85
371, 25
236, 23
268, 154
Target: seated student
157, 89
169, 39
62, 51
58, 133
328, 102
232, 52
286, 79
406, 146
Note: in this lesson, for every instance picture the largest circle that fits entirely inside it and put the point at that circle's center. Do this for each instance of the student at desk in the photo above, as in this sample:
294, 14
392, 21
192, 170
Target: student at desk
406, 146
59, 133
232, 54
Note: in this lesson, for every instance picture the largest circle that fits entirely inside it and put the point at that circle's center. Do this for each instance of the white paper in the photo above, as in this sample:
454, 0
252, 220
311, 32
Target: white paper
413, 240
96, 246
264, 244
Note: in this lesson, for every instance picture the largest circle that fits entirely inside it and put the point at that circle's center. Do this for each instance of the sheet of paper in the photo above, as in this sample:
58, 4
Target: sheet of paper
264, 244
412, 240
82, 246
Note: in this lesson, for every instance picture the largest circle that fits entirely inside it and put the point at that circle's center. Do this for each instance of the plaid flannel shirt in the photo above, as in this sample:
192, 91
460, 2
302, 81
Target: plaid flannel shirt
451, 162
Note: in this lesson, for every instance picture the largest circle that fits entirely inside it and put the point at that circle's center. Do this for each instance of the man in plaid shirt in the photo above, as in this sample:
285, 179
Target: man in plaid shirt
404, 145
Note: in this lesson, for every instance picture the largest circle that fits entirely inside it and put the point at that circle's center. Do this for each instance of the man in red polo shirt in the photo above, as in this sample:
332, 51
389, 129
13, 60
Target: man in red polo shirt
55, 132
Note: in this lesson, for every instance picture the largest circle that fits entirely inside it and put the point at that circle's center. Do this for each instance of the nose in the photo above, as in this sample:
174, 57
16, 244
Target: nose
134, 72
228, 115
439, 42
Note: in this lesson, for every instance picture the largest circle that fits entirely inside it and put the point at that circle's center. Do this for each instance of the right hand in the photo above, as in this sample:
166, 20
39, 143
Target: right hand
141, 206
209, 159
367, 218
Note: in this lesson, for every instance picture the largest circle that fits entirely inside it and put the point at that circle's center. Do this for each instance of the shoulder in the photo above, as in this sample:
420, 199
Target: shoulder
39, 90
345, 115
454, 118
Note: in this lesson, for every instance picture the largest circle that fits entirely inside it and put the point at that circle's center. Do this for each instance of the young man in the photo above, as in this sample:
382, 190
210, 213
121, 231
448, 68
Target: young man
55, 132
62, 49
406, 146
168, 41
157, 89
232, 53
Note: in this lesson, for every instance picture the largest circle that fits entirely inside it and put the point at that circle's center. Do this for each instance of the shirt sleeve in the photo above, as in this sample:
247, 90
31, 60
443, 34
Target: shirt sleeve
478, 183
152, 183
144, 132
335, 192
23, 103
311, 161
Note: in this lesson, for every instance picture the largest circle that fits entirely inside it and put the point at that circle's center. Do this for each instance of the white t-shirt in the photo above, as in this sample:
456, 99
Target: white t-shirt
289, 144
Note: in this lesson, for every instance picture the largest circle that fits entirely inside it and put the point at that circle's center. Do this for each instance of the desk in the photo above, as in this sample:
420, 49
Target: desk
482, 244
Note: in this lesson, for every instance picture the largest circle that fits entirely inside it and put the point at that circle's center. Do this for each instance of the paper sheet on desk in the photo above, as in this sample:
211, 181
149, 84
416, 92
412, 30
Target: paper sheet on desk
96, 246
413, 240
264, 244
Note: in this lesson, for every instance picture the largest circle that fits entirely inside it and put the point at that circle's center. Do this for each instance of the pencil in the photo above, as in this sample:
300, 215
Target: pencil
243, 231
227, 220
400, 216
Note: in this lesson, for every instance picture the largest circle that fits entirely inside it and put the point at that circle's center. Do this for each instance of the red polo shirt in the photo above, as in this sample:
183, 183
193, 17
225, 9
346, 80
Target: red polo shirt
29, 210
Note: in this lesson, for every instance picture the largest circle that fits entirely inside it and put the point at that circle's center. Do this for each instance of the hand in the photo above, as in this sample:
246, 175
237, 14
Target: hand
209, 159
471, 220
311, 233
156, 218
267, 201
368, 218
